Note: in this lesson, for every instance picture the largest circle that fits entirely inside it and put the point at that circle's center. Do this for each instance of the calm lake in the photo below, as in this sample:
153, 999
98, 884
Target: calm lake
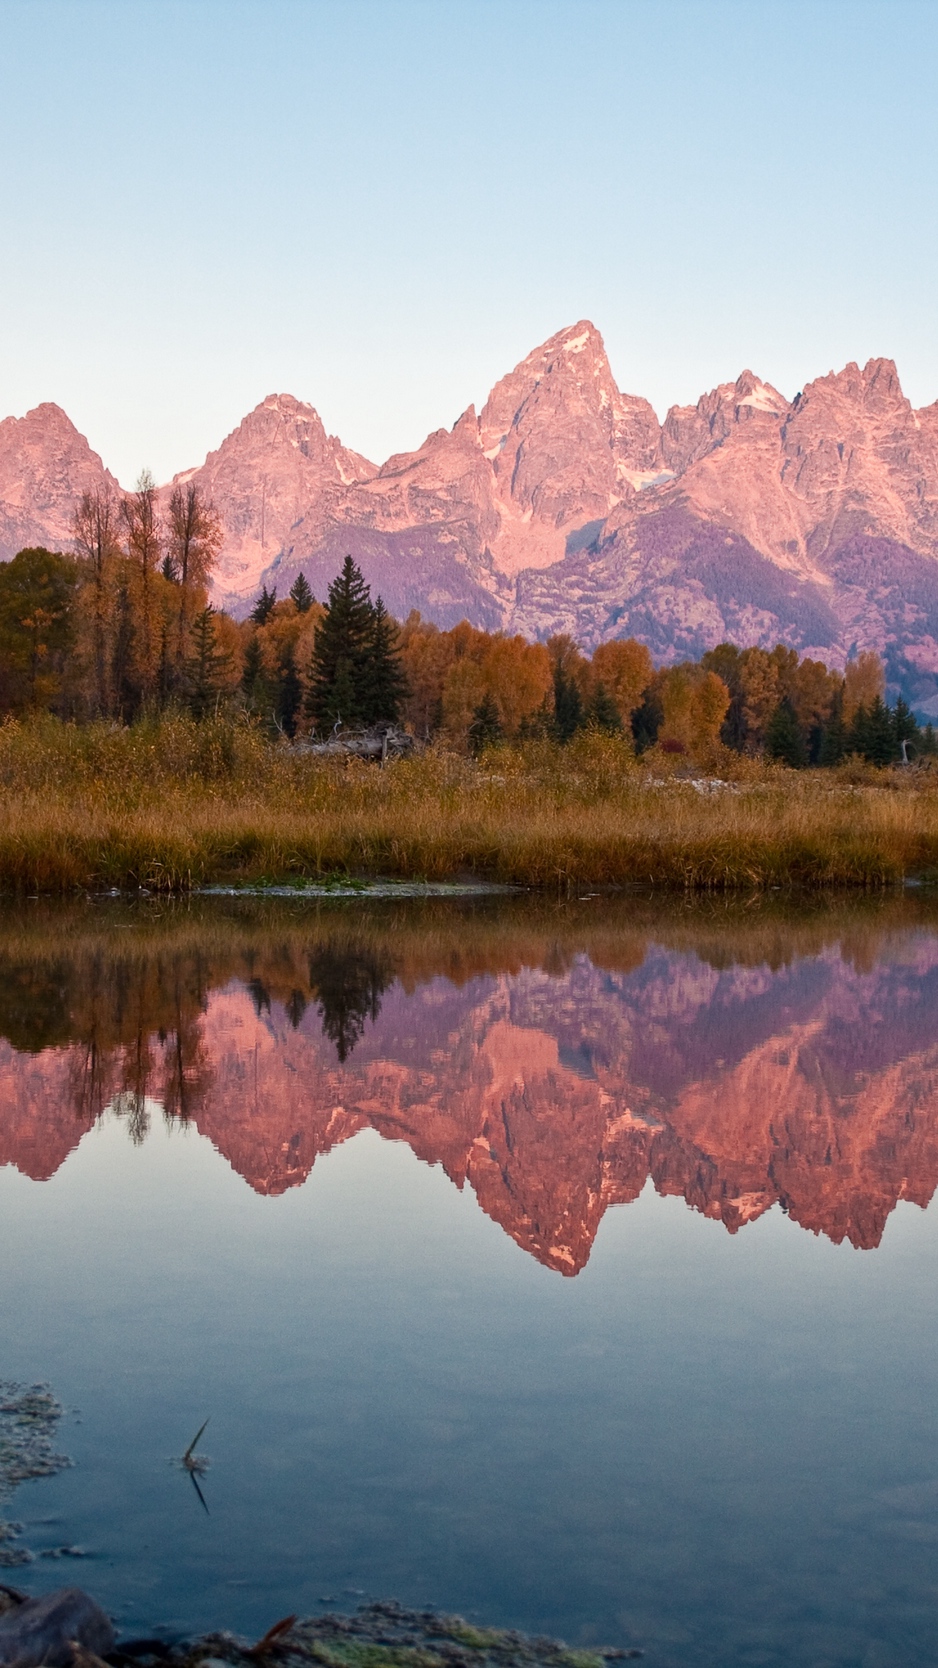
571, 1266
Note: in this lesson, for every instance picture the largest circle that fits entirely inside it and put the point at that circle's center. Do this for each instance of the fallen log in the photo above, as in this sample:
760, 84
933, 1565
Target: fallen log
360, 744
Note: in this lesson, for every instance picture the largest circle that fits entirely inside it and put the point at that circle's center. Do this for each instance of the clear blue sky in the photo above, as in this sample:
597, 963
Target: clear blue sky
381, 205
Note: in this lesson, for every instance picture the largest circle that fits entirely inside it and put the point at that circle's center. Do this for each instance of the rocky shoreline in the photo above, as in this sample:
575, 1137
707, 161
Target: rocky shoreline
67, 1629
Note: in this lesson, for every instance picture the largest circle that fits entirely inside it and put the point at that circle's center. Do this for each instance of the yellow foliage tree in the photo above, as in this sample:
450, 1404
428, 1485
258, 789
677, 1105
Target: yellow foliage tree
518, 676
694, 704
625, 670
864, 679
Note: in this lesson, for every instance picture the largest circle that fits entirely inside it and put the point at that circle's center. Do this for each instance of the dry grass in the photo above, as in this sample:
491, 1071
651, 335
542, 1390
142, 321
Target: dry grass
173, 805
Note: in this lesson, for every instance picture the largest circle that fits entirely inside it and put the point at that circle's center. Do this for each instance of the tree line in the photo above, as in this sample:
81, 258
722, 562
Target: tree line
122, 626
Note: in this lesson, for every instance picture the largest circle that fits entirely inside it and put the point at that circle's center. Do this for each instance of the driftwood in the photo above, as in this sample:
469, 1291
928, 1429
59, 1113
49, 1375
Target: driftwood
383, 742
47, 1630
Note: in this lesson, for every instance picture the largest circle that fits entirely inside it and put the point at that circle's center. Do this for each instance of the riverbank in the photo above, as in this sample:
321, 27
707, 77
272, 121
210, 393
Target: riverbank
68, 1630
175, 806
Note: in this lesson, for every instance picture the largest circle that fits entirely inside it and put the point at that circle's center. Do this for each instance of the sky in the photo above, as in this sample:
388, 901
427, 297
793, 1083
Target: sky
380, 206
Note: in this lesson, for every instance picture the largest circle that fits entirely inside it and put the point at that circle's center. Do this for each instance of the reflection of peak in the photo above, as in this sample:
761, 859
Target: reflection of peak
554, 1087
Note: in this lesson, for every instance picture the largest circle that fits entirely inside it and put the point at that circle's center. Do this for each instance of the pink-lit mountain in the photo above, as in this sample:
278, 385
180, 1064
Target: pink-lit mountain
565, 506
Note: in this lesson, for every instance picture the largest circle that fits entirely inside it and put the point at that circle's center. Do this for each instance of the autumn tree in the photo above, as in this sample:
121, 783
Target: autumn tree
694, 703
193, 540
864, 680
426, 656
624, 668
96, 542
140, 516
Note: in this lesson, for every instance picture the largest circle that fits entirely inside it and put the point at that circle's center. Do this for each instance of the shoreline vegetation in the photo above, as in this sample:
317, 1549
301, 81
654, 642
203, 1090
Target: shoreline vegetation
171, 804
149, 741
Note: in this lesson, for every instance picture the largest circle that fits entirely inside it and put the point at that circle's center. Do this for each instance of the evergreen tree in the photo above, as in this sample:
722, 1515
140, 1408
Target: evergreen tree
928, 745
486, 727
253, 668
905, 726
207, 665
348, 981
263, 607
833, 744
647, 721
300, 594
875, 738
603, 713
384, 687
783, 737
168, 569
342, 651
289, 694
568, 707
858, 739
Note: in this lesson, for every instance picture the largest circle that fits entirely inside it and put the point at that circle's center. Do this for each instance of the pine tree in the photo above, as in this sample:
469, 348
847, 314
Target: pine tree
289, 694
300, 594
255, 686
858, 739
207, 665
929, 742
647, 720
905, 726
385, 687
783, 738
833, 741
342, 651
603, 712
881, 746
568, 707
486, 727
263, 607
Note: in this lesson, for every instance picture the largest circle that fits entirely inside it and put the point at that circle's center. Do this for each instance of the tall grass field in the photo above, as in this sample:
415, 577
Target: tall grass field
171, 805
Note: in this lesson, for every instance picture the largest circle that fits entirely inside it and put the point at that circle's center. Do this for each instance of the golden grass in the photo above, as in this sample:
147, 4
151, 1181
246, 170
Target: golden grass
173, 805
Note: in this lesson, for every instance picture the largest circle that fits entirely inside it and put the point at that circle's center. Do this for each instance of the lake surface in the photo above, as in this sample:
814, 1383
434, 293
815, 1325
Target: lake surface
570, 1266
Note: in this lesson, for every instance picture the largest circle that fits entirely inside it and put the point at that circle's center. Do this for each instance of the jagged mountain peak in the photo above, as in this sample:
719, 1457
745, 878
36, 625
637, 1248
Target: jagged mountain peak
45, 466
564, 505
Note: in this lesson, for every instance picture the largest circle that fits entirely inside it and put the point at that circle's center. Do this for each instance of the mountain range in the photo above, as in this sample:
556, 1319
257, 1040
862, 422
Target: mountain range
564, 505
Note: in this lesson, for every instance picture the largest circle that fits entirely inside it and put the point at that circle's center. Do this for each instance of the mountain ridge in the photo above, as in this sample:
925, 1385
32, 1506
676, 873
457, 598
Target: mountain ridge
564, 505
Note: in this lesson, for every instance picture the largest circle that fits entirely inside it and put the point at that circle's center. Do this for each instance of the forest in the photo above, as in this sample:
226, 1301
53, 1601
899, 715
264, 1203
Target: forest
121, 629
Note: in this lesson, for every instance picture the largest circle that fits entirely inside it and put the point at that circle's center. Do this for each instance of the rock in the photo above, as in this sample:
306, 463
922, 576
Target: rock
42, 1630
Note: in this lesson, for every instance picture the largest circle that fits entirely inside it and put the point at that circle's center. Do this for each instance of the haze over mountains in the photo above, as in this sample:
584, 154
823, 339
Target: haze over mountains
565, 506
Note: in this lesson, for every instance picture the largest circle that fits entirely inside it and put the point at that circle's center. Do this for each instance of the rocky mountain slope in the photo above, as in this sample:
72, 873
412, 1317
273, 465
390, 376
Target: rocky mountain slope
565, 505
45, 466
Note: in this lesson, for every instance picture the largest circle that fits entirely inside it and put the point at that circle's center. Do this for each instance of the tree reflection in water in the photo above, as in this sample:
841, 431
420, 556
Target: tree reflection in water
554, 1057
348, 979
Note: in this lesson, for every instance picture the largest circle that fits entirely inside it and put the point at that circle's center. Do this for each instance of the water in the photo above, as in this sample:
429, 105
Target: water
565, 1265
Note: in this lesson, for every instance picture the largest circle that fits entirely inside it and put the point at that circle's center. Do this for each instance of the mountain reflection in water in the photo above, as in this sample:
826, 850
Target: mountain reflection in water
552, 1057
